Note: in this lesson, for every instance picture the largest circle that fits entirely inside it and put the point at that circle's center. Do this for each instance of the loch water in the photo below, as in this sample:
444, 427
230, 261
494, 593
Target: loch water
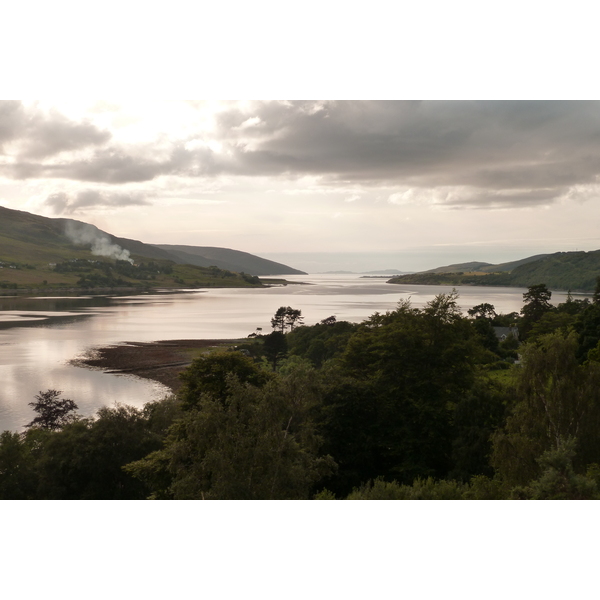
40, 337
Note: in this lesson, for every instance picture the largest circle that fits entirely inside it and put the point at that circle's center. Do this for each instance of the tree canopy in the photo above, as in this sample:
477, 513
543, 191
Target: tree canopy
53, 411
413, 403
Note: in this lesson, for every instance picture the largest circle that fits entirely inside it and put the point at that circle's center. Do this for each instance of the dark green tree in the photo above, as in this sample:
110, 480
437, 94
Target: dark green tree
275, 347
208, 375
479, 413
53, 411
414, 367
483, 311
84, 459
320, 342
596, 298
293, 317
558, 480
17, 476
506, 320
555, 400
587, 326
278, 321
285, 317
573, 306
550, 322
257, 443
536, 304
486, 334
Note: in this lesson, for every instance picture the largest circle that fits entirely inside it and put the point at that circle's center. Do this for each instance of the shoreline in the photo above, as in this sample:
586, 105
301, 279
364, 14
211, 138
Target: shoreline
138, 290
160, 361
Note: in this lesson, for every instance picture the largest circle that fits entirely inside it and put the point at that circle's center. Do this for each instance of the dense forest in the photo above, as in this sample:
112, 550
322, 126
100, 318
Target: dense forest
415, 403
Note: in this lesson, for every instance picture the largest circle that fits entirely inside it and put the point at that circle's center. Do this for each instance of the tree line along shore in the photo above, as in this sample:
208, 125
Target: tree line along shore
411, 404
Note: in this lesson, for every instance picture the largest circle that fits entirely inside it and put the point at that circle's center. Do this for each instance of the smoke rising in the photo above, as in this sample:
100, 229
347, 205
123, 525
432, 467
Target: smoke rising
84, 234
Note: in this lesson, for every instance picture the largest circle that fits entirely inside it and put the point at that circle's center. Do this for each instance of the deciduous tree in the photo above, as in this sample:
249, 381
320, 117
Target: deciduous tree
208, 374
257, 443
53, 411
483, 311
418, 365
285, 317
536, 304
556, 400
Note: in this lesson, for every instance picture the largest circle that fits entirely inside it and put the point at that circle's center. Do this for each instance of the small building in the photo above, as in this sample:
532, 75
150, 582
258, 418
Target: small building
503, 333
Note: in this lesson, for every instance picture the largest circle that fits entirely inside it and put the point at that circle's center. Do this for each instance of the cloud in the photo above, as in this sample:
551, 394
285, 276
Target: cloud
500, 199
11, 120
460, 154
115, 165
582, 193
33, 133
537, 146
411, 196
62, 203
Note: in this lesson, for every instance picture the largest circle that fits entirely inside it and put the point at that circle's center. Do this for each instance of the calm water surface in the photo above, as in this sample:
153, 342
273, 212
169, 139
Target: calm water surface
40, 336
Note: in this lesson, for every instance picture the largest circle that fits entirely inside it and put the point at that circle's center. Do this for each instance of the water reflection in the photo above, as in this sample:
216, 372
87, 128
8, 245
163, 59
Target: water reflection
40, 336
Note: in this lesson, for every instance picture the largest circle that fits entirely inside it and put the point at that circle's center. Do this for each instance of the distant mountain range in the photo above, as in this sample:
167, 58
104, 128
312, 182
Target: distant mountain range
29, 239
576, 271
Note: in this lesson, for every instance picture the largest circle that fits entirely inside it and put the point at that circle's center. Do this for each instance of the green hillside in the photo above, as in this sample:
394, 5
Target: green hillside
461, 267
576, 271
483, 267
42, 253
511, 266
226, 258
563, 270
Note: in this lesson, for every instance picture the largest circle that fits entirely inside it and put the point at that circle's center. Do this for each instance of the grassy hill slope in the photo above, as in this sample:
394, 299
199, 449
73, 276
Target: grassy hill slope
576, 271
483, 267
467, 267
511, 266
226, 258
36, 252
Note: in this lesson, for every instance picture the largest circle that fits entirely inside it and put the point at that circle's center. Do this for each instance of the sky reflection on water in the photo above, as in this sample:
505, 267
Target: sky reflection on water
40, 336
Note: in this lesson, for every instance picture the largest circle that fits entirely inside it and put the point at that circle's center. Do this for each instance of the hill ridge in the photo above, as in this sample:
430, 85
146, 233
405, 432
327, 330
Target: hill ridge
38, 251
228, 258
575, 271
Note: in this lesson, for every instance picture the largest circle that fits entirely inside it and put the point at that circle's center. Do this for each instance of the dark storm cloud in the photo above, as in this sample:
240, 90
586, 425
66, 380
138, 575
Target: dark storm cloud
504, 198
488, 146
436, 143
38, 134
115, 166
111, 166
536, 149
63, 203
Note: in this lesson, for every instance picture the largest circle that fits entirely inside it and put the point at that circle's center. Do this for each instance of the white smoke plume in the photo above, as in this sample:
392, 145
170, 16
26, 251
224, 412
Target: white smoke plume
83, 234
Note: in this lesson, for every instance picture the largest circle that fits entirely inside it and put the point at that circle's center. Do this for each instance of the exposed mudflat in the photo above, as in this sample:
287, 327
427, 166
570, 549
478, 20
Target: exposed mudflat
160, 361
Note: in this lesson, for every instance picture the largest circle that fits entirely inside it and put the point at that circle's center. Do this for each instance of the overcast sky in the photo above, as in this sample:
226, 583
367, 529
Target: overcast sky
397, 184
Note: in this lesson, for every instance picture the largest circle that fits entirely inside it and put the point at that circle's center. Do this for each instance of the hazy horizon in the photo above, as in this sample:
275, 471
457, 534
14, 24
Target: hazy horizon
421, 259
